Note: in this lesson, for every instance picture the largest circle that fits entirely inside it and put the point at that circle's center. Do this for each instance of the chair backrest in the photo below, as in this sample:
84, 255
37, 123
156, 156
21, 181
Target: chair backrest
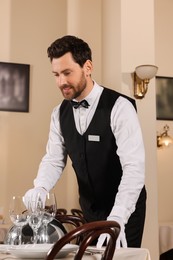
89, 232
76, 221
71, 222
77, 212
61, 211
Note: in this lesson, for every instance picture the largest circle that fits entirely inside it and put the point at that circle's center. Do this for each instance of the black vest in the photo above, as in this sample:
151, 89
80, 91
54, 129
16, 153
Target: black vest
95, 162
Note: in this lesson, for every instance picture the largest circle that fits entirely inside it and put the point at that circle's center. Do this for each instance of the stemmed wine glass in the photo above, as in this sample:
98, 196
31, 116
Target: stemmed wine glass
35, 209
49, 213
18, 214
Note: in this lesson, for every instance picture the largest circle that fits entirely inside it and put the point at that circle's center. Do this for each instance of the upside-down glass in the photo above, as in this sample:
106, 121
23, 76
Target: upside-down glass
49, 213
18, 214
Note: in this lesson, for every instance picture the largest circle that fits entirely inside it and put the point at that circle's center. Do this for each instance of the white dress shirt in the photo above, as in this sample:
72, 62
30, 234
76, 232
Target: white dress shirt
126, 129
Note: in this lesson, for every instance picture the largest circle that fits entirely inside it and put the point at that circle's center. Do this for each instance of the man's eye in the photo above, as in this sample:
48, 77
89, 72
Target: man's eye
55, 75
66, 73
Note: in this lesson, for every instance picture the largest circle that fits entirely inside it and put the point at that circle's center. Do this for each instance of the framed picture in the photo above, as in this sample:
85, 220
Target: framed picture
14, 87
164, 98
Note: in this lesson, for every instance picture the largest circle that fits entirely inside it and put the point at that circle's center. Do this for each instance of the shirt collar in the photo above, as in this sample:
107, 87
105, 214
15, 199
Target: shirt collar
92, 96
96, 90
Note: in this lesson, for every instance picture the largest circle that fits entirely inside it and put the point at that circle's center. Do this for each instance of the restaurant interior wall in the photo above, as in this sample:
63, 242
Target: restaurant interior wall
138, 47
164, 57
23, 136
27, 40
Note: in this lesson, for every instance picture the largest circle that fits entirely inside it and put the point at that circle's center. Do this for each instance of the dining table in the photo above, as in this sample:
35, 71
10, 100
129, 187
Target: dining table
166, 240
120, 254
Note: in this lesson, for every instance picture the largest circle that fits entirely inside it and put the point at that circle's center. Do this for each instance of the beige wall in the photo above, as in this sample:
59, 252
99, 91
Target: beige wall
138, 47
23, 136
121, 38
164, 57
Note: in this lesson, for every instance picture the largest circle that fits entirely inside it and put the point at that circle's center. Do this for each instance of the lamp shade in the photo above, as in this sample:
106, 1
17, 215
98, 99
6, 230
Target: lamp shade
146, 71
165, 140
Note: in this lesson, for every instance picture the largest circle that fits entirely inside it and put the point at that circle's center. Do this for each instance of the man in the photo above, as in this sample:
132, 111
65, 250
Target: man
102, 136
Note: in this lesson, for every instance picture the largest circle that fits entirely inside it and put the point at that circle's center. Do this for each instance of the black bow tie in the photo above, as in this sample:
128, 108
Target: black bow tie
82, 103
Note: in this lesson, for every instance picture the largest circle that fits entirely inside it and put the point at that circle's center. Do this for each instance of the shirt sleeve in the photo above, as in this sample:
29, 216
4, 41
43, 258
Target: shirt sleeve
127, 131
54, 161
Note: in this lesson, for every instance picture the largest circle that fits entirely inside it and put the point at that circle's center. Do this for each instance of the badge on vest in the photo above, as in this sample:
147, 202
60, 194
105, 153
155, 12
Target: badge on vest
94, 138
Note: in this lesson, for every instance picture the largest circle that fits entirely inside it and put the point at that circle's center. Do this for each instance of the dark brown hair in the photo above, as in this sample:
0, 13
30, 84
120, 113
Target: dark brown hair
79, 49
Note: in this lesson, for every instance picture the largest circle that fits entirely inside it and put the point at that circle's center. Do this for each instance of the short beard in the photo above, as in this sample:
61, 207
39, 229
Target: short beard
81, 87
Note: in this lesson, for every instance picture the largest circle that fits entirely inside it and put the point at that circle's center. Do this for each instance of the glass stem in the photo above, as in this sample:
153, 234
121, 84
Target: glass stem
46, 236
35, 236
20, 235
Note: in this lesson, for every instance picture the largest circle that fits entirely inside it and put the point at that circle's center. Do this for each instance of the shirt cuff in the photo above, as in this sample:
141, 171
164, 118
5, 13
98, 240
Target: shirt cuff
121, 212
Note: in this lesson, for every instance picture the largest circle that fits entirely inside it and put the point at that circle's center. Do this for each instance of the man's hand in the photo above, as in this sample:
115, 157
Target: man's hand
32, 195
121, 240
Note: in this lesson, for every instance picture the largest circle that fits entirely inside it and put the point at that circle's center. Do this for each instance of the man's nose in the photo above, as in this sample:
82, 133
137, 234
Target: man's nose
62, 80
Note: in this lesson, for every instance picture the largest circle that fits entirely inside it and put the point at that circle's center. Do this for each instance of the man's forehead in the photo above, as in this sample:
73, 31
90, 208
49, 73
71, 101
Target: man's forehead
63, 64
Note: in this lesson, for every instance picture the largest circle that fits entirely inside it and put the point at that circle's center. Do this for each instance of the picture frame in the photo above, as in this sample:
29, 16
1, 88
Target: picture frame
164, 98
14, 87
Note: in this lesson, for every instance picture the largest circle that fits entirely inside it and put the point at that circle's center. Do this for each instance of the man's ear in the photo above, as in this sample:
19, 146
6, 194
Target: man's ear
88, 66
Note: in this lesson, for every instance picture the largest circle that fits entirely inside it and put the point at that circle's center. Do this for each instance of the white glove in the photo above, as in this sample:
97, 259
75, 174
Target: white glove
32, 195
121, 240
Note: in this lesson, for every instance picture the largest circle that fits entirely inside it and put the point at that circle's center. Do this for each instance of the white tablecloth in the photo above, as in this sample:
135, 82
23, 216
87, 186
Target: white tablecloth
165, 237
120, 254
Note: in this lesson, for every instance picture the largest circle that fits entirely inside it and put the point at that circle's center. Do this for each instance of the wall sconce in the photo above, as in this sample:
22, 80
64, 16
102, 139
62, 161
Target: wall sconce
142, 76
164, 139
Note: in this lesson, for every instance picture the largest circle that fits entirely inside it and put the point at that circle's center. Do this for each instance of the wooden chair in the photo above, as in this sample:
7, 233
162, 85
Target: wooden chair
76, 221
77, 212
71, 222
61, 211
89, 232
